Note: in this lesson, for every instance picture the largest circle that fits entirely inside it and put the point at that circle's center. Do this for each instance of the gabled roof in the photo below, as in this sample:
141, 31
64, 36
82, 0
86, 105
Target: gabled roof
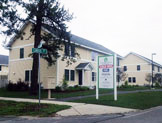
74, 39
84, 66
3, 60
144, 58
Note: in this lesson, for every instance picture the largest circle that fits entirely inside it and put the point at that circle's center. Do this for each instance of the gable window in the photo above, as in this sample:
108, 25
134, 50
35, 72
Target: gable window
66, 74
94, 56
69, 50
125, 68
129, 79
72, 75
21, 53
138, 67
0, 68
134, 79
93, 76
28, 74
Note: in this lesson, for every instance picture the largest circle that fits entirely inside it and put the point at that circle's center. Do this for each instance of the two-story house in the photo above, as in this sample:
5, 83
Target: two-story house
82, 72
137, 67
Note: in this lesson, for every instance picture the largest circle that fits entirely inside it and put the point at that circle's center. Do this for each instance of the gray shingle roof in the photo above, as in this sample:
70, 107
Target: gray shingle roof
90, 44
3, 60
78, 40
82, 65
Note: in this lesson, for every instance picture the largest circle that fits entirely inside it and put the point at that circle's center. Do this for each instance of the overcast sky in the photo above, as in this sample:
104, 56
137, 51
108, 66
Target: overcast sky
121, 25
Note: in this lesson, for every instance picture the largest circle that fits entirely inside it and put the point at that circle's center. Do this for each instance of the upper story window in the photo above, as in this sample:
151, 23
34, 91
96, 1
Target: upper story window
138, 67
94, 56
125, 68
21, 53
158, 69
153, 67
69, 50
0, 68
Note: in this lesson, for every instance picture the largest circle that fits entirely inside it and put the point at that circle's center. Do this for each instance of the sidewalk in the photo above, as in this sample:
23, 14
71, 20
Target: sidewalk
78, 108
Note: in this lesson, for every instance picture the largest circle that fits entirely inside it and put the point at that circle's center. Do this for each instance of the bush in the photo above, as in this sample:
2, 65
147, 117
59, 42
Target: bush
19, 86
58, 89
64, 84
157, 85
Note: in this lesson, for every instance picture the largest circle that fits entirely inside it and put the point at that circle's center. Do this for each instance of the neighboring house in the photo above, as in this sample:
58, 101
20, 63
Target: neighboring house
82, 72
137, 67
3, 70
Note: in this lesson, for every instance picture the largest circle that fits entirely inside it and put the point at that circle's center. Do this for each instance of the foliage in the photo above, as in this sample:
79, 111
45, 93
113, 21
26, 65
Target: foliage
19, 86
126, 85
121, 74
30, 109
46, 14
64, 84
157, 78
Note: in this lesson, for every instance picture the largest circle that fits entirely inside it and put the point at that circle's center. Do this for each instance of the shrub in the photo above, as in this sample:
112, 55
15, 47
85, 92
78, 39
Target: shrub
157, 85
19, 86
64, 84
58, 89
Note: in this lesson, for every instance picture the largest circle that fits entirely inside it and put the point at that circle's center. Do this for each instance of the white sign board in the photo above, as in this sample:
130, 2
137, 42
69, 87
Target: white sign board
106, 71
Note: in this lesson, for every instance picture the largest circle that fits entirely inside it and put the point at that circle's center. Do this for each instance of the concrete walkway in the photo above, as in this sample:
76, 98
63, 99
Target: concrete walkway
77, 108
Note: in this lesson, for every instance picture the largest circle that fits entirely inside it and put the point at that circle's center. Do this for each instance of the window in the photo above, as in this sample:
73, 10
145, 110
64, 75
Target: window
0, 68
134, 79
66, 74
93, 56
118, 62
21, 52
73, 51
125, 68
129, 79
72, 75
93, 76
158, 69
138, 67
153, 68
28, 74
69, 50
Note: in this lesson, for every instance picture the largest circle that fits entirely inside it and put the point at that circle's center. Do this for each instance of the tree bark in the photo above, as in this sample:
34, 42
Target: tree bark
37, 39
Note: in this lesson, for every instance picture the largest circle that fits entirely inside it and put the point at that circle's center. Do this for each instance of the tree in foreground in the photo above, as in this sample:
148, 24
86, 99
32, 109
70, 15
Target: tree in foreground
44, 13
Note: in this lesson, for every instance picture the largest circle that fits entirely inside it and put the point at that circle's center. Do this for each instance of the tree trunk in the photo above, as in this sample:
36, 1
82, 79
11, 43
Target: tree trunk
37, 39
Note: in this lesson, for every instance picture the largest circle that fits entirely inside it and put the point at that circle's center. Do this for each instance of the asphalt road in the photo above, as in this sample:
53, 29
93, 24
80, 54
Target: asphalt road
153, 115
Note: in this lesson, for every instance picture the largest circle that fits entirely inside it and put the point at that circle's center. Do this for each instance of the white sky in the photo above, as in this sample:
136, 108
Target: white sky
120, 25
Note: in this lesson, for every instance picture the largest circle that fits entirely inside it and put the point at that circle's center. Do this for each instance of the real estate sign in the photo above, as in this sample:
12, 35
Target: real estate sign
106, 71
106, 74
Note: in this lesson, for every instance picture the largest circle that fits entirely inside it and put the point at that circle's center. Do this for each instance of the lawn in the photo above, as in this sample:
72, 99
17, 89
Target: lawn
141, 100
58, 95
29, 109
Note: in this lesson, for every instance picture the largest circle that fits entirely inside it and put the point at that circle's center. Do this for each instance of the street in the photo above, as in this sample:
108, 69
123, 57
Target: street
147, 116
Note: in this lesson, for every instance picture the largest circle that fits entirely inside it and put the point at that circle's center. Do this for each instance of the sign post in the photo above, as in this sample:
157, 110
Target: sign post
39, 51
106, 74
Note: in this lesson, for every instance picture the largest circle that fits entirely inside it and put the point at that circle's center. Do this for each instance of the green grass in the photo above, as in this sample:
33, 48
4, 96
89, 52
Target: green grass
141, 100
29, 109
5, 93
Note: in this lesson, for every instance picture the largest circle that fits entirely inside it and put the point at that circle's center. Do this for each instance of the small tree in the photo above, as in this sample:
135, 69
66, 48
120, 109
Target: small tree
121, 75
148, 78
45, 14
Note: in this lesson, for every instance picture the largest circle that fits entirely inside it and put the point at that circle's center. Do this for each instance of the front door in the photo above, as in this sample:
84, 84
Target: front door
80, 77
